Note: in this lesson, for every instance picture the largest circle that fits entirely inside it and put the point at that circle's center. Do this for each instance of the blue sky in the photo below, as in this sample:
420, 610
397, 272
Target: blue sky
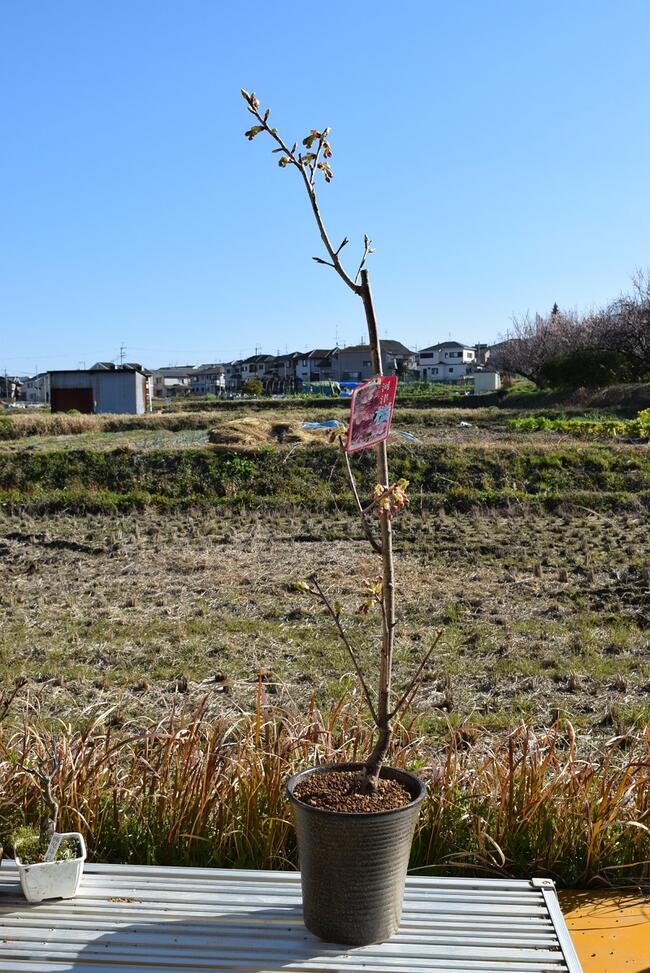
496, 153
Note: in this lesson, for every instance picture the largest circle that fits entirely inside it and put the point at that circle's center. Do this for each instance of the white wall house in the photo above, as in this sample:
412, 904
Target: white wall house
208, 380
319, 365
449, 361
256, 366
36, 390
170, 381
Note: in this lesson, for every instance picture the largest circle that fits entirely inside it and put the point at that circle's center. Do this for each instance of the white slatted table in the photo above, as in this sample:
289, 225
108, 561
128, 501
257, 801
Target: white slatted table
154, 919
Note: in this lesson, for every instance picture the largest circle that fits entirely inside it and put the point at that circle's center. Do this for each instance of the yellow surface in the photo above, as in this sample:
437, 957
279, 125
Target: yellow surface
610, 931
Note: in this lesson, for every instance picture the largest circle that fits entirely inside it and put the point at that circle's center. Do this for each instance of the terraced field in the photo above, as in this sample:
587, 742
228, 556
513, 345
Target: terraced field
542, 612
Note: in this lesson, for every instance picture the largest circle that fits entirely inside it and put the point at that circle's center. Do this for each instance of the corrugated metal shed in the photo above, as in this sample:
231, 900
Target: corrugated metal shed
132, 919
118, 391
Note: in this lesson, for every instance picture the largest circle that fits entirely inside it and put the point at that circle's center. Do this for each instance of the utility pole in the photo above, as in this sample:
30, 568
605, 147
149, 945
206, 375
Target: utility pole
122, 350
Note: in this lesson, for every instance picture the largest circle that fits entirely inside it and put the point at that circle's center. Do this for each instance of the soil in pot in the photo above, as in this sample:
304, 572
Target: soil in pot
353, 849
341, 791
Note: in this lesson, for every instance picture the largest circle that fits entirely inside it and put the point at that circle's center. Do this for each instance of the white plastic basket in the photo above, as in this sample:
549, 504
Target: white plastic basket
55, 879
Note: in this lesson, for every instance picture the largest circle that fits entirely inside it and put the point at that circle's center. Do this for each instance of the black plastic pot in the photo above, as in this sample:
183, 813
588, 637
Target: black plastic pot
353, 866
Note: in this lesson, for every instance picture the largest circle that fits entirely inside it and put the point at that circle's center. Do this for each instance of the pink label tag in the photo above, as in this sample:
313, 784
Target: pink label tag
371, 412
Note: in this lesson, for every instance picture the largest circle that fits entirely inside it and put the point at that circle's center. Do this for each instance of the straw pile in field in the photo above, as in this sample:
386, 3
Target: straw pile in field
259, 431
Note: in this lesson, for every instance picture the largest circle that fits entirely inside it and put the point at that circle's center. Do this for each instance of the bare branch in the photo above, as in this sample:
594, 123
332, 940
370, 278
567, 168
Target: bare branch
308, 176
395, 710
367, 249
567, 349
374, 543
387, 498
337, 621
46, 780
311, 192
7, 698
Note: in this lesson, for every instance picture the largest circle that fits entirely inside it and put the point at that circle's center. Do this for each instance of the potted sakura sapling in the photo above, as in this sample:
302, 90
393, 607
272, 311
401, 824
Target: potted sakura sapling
355, 822
50, 863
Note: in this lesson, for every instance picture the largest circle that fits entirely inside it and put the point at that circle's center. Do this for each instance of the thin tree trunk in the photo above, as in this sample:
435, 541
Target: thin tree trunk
373, 765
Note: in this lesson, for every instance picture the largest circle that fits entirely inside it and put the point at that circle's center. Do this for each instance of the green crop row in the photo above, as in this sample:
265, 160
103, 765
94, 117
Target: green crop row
638, 428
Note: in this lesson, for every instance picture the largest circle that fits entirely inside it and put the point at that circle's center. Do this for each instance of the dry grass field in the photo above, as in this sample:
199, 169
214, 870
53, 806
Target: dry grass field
542, 613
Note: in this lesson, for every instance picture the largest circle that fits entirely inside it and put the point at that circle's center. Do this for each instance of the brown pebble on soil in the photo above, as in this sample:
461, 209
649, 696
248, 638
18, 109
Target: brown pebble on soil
340, 791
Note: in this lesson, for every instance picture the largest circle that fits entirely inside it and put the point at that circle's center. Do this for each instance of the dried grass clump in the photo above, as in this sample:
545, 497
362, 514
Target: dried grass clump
46, 424
63, 424
532, 806
262, 431
192, 790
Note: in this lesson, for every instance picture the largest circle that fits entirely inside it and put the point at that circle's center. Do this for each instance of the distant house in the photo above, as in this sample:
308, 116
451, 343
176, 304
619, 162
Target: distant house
256, 366
448, 361
232, 374
36, 389
106, 387
506, 355
208, 380
319, 365
280, 374
354, 363
10, 388
171, 381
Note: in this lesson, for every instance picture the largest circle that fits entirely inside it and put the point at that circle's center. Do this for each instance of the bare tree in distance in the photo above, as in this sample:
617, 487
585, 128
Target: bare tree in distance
534, 340
627, 325
601, 346
311, 160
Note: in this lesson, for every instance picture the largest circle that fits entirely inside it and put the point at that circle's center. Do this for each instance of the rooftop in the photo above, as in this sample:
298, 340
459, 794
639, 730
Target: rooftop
175, 371
200, 369
99, 369
387, 345
447, 344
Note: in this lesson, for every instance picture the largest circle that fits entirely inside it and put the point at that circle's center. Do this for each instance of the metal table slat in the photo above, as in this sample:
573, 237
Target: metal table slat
155, 919
465, 932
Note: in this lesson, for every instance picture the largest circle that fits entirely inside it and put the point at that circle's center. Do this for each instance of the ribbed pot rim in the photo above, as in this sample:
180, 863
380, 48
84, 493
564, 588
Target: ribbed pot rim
355, 815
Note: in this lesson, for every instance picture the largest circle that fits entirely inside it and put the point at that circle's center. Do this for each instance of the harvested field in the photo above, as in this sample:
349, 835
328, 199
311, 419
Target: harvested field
543, 613
45, 430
